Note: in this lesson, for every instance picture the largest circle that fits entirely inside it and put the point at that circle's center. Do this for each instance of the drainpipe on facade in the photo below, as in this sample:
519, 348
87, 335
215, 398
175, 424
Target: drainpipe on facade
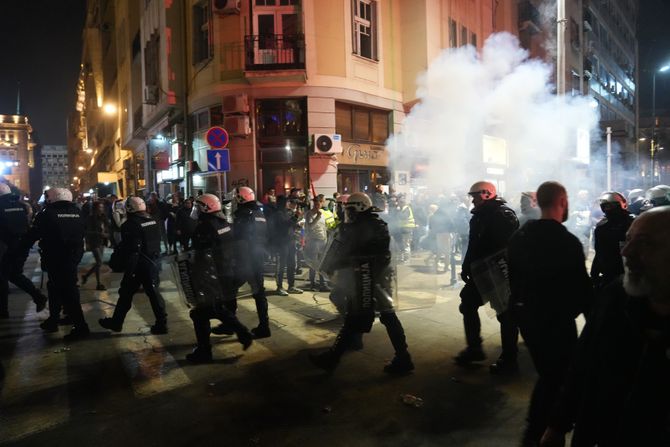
188, 153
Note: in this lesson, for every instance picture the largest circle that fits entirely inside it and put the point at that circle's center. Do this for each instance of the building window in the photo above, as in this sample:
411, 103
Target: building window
453, 40
152, 61
202, 42
364, 13
361, 124
473, 40
464, 36
281, 117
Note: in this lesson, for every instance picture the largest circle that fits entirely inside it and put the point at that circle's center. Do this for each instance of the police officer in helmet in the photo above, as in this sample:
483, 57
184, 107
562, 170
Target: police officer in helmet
361, 252
14, 224
610, 235
250, 236
213, 243
140, 244
60, 230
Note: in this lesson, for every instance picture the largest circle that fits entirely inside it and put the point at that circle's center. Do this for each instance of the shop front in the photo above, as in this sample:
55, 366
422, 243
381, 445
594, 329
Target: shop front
361, 167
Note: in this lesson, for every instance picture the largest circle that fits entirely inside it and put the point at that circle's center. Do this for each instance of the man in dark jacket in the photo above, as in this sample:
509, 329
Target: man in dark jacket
284, 227
550, 287
214, 277
609, 235
140, 243
60, 230
14, 224
360, 253
250, 234
618, 388
491, 226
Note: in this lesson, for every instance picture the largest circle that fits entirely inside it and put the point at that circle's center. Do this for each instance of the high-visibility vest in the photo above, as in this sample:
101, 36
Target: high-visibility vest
329, 218
408, 222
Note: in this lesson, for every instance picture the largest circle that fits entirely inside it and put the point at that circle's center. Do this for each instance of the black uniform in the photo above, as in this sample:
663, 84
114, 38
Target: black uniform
361, 252
213, 242
140, 244
60, 230
14, 217
610, 234
550, 287
250, 234
617, 392
491, 226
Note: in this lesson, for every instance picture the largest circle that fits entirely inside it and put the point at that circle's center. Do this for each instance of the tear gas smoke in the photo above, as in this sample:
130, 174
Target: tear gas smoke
494, 116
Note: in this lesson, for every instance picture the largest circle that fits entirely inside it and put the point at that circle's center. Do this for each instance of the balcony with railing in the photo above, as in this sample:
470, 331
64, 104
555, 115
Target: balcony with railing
274, 52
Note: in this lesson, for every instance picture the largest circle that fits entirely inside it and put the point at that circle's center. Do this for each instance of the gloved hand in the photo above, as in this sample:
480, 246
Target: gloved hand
465, 277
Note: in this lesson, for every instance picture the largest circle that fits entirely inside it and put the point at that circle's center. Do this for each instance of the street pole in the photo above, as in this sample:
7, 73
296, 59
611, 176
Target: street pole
653, 128
609, 158
560, 47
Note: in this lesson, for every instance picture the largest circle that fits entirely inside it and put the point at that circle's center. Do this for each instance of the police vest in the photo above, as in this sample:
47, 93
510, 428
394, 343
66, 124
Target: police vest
408, 221
61, 230
329, 218
151, 236
13, 219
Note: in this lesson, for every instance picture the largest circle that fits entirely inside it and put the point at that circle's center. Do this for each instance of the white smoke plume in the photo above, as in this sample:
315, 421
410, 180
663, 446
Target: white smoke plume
466, 97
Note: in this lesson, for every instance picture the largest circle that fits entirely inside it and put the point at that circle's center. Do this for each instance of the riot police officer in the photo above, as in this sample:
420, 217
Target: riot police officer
491, 226
14, 224
250, 236
610, 235
360, 253
140, 244
60, 229
213, 245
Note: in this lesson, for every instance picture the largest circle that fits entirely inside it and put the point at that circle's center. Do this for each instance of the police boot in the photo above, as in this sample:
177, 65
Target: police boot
40, 302
49, 325
469, 355
356, 343
263, 328
245, 337
329, 359
223, 329
111, 323
402, 361
159, 328
201, 354
504, 365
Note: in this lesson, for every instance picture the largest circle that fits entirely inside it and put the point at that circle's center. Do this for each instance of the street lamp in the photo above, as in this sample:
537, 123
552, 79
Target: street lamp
109, 109
661, 69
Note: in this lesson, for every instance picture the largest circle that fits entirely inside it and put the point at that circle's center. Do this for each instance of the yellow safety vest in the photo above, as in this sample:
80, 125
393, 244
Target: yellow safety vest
329, 218
409, 221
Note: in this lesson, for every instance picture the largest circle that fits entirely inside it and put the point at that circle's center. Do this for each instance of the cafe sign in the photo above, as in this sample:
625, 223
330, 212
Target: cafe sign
363, 155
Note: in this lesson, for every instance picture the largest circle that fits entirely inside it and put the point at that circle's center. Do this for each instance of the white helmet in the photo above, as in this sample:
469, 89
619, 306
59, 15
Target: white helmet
358, 202
4, 189
208, 203
659, 195
635, 194
54, 195
135, 205
245, 194
485, 190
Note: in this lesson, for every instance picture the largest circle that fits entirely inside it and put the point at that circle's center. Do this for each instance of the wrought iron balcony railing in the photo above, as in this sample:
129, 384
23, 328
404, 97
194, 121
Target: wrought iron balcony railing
274, 52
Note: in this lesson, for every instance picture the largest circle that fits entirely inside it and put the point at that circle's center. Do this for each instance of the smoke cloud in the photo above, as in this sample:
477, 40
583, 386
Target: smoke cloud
493, 116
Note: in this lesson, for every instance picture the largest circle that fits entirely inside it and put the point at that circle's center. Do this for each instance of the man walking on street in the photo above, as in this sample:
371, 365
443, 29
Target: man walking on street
550, 287
491, 226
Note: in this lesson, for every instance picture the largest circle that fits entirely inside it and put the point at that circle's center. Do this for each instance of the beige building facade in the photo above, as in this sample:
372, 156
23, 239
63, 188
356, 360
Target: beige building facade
16, 152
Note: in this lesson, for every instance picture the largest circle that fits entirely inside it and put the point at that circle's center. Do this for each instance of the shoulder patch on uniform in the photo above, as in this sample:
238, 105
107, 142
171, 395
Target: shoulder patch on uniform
148, 224
70, 216
259, 219
13, 210
223, 230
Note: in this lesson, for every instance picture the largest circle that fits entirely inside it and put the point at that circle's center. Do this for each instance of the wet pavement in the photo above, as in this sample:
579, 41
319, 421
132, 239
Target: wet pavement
134, 388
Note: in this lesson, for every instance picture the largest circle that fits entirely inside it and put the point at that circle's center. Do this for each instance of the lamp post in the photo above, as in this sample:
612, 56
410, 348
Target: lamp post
662, 69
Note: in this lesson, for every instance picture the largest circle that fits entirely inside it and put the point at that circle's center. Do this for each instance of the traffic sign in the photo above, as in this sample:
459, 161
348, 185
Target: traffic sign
218, 160
217, 137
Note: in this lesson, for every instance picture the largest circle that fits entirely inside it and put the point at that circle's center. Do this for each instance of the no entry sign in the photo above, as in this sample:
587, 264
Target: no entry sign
217, 137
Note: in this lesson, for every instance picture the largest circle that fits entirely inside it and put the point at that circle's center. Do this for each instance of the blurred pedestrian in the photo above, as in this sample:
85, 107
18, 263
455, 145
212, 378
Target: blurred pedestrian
185, 224
97, 233
318, 222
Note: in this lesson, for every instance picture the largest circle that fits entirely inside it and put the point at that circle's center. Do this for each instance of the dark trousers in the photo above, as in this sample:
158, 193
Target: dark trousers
97, 255
286, 252
144, 274
255, 280
351, 333
63, 286
471, 301
551, 344
201, 316
11, 270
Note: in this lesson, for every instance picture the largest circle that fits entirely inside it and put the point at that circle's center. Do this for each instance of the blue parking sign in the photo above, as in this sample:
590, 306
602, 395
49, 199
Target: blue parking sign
218, 160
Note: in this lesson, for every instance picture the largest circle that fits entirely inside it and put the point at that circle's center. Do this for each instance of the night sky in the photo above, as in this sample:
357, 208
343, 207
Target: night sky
41, 48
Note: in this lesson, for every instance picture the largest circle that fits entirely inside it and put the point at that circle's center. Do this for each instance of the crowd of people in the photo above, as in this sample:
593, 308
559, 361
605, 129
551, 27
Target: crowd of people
608, 383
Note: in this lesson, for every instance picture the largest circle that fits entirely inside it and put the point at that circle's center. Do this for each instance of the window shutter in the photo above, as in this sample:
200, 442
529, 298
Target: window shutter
373, 30
354, 35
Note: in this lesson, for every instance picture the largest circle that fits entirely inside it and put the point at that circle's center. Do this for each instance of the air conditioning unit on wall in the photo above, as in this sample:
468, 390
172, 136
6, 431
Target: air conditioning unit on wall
237, 125
327, 143
236, 104
226, 7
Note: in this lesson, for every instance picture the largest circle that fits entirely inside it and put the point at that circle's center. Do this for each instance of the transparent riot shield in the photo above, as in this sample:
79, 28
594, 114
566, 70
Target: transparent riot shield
420, 263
